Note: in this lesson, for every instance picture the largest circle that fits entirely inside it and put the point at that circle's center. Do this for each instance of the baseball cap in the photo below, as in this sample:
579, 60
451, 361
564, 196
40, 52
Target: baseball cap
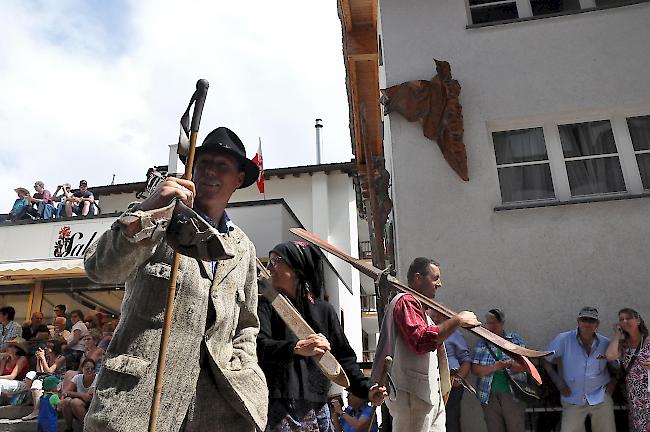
588, 312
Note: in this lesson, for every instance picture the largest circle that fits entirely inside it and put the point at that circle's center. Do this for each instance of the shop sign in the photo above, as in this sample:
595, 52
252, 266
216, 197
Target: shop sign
72, 242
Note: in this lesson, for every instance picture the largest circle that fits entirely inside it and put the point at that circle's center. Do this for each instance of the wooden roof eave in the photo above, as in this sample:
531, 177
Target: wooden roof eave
361, 56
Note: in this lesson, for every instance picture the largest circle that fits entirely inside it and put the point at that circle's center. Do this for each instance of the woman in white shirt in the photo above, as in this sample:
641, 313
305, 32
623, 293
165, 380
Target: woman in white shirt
78, 393
75, 345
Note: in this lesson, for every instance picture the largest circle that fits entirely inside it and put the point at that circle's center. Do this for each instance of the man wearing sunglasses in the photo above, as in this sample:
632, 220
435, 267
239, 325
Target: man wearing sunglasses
212, 380
584, 381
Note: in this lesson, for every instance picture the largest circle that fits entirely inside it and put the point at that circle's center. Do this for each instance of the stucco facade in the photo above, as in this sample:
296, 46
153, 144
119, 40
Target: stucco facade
540, 265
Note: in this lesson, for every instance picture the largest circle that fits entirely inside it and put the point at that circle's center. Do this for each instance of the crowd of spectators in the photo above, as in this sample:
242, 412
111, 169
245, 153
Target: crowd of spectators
45, 205
68, 352
591, 368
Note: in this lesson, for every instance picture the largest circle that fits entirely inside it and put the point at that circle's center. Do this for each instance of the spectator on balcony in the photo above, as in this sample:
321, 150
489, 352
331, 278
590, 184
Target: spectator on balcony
36, 329
59, 311
107, 335
22, 208
14, 367
9, 328
49, 361
81, 201
60, 332
61, 198
75, 347
78, 393
92, 352
43, 200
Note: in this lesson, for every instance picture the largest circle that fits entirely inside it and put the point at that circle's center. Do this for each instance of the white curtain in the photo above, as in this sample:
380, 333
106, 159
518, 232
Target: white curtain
591, 176
523, 182
640, 133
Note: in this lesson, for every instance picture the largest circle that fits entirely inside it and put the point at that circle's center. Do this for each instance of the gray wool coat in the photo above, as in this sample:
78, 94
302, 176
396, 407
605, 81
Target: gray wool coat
124, 390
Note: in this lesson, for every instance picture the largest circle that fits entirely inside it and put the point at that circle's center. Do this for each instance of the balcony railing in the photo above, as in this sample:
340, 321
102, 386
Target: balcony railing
365, 250
369, 303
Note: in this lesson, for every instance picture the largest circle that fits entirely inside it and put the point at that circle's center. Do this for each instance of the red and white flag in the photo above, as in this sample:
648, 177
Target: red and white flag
257, 160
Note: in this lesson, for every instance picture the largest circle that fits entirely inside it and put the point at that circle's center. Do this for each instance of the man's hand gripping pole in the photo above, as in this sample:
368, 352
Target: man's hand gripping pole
199, 100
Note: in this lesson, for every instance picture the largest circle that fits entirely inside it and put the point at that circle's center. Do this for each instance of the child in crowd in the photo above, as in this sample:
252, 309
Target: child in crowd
47, 415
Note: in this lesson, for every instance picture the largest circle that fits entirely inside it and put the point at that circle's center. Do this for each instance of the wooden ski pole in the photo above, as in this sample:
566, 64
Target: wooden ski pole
199, 101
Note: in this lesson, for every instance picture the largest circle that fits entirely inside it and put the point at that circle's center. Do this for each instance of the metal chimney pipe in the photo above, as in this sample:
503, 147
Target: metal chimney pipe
318, 126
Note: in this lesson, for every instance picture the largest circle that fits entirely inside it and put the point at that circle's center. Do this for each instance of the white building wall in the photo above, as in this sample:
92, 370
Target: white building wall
296, 191
116, 202
539, 265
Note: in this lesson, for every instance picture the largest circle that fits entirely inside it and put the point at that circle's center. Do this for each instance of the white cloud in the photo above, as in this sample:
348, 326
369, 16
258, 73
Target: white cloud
77, 101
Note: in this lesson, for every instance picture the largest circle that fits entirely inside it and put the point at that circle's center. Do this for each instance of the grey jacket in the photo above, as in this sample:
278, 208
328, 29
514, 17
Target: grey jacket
124, 391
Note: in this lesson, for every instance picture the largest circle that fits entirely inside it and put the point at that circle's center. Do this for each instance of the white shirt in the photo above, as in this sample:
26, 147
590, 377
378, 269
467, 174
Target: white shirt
79, 346
78, 380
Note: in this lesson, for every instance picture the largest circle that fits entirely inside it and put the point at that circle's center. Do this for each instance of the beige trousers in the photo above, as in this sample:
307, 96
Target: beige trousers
602, 416
412, 414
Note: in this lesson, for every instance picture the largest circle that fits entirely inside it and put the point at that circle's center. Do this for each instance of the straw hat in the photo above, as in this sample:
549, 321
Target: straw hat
21, 189
19, 343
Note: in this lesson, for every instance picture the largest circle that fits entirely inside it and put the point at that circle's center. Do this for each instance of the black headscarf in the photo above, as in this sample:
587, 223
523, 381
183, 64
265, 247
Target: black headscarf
306, 263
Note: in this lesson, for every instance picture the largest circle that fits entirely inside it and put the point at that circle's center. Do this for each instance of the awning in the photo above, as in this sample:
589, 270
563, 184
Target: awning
44, 267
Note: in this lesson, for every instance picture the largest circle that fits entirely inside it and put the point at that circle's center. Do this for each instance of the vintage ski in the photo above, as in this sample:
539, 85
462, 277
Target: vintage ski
516, 352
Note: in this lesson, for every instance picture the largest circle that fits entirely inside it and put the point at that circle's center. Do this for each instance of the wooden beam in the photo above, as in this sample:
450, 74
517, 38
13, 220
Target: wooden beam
30, 301
361, 45
38, 287
346, 15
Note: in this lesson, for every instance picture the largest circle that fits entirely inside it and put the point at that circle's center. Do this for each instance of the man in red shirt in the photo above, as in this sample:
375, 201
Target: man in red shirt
411, 338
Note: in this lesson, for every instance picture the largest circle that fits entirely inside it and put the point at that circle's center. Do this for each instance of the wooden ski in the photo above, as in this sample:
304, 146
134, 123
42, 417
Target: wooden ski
516, 352
326, 362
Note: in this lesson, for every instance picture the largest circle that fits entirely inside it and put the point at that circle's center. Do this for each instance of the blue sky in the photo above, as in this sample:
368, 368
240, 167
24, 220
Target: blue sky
89, 89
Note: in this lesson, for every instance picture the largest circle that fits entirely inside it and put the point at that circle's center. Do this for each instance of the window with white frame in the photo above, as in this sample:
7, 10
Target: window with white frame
522, 165
546, 7
591, 158
556, 161
639, 128
485, 11
494, 11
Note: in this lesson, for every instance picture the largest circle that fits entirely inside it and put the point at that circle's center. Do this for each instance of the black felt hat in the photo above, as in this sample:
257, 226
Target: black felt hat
223, 140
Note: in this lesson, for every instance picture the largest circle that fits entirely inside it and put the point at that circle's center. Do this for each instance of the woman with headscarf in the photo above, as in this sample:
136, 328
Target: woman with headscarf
631, 345
297, 388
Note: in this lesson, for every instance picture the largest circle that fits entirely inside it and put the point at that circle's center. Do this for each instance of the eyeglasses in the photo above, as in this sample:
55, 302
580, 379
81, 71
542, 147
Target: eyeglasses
274, 261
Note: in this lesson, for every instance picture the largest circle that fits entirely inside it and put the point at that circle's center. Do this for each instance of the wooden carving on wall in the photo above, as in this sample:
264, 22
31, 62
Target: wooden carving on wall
436, 103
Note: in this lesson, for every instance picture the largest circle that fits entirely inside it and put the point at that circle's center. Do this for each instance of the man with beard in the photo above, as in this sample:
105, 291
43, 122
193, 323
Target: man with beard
420, 371
212, 380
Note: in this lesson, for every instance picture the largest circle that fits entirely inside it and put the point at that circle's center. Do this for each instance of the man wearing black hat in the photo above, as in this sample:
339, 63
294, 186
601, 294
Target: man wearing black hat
212, 380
